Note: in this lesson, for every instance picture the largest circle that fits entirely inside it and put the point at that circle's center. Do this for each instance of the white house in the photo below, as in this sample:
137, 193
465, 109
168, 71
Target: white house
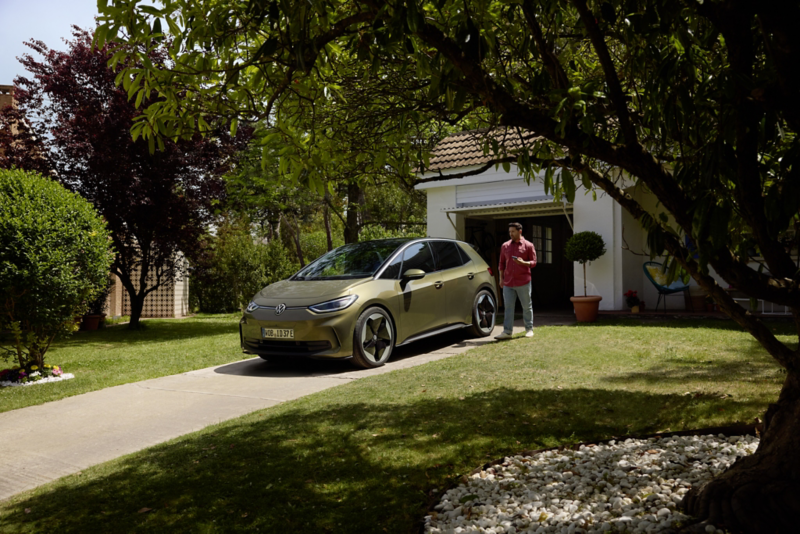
478, 208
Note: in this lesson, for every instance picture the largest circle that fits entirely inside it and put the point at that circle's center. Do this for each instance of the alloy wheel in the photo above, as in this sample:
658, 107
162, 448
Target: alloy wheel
376, 337
485, 312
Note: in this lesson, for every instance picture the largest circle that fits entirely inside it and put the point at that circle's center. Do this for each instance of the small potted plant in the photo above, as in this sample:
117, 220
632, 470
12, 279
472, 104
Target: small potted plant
632, 300
96, 313
584, 247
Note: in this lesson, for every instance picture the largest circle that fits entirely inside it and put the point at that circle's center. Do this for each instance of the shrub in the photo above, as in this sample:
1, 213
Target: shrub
315, 244
55, 255
234, 265
376, 231
584, 247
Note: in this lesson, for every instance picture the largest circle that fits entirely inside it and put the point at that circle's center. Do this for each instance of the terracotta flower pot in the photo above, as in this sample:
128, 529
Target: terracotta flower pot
635, 309
92, 322
586, 308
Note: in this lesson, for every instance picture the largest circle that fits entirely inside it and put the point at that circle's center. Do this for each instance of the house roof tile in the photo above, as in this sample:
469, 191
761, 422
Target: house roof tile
464, 149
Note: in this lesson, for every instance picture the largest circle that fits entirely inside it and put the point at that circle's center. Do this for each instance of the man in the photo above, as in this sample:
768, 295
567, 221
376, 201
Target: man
517, 258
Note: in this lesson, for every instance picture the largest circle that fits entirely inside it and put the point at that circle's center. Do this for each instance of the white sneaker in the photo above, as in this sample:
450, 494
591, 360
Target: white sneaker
503, 336
529, 333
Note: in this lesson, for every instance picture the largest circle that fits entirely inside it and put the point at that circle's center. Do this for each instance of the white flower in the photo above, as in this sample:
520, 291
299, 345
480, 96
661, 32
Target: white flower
35, 373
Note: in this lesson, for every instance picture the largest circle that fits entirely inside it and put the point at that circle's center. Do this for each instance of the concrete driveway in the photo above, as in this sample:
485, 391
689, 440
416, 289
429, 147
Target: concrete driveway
77, 432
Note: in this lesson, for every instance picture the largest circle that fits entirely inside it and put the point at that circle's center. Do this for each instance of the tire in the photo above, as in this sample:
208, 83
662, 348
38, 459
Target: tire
373, 338
484, 314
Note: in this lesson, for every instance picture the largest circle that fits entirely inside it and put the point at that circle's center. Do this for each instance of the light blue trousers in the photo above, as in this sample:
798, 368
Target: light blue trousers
510, 295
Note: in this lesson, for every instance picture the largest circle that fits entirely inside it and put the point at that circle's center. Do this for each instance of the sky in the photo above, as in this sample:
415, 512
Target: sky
44, 20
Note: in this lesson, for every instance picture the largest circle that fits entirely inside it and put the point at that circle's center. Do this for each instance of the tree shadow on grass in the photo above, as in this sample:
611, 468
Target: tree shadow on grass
337, 464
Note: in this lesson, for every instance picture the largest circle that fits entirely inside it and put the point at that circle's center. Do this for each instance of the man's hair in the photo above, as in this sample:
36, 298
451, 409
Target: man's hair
516, 225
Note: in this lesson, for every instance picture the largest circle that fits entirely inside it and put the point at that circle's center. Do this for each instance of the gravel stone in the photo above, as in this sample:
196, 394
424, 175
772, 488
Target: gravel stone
632, 486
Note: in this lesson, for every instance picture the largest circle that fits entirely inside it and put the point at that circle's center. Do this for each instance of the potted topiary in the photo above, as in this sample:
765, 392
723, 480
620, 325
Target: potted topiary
584, 247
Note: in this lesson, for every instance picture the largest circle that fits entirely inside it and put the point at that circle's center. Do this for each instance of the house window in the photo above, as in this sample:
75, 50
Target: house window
542, 239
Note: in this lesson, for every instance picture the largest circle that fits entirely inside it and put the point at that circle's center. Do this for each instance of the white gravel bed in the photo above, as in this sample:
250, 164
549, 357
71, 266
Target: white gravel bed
65, 376
630, 486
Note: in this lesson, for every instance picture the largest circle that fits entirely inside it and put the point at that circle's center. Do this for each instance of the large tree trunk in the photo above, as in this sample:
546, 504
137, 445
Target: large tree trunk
352, 226
760, 493
137, 305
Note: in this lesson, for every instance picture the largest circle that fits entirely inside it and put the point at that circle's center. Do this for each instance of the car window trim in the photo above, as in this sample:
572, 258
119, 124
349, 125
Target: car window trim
380, 270
428, 240
397, 252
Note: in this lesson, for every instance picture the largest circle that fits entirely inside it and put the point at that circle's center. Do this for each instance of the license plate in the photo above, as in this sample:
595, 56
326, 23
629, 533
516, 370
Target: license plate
277, 333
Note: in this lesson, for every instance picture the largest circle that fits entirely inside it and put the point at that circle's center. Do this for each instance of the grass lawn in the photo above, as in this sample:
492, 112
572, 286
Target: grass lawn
115, 355
366, 456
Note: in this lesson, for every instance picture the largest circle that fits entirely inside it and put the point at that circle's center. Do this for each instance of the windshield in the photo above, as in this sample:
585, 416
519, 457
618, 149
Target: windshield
356, 260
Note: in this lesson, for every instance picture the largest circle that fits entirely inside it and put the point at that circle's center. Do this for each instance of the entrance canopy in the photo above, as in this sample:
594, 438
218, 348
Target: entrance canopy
502, 210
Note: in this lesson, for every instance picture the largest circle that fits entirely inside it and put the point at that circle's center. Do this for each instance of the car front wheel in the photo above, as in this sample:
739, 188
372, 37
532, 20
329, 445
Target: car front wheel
373, 338
484, 313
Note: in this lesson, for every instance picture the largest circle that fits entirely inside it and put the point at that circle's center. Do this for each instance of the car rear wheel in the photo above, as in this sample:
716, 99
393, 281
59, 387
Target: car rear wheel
373, 338
484, 313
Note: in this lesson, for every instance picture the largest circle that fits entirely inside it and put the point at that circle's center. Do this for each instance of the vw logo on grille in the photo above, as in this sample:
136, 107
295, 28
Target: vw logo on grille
280, 309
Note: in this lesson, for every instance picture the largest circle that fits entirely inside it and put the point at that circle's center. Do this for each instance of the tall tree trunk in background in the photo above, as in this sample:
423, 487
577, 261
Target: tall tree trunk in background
137, 305
136, 295
326, 215
354, 202
295, 231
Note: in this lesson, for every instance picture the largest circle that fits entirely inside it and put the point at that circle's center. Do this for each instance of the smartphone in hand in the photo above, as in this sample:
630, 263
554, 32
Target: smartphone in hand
514, 257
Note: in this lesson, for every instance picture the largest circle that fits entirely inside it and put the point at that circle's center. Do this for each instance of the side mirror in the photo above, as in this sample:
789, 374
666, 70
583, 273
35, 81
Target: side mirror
413, 274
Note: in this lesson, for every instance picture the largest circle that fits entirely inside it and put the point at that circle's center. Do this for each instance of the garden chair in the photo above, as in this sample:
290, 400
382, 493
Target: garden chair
655, 273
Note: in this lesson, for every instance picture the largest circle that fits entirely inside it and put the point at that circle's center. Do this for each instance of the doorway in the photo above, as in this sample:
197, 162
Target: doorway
552, 279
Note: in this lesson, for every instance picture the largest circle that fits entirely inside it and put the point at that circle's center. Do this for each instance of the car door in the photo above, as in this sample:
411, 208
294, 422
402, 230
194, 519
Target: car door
457, 278
422, 302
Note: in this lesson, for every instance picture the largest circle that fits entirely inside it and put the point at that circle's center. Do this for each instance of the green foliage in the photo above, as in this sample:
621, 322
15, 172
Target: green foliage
55, 256
234, 265
695, 103
374, 231
315, 244
583, 247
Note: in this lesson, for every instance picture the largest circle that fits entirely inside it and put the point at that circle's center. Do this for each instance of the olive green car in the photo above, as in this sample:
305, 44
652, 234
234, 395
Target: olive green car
361, 300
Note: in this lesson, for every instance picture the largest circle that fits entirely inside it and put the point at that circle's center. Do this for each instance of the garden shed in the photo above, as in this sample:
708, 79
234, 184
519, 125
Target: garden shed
467, 204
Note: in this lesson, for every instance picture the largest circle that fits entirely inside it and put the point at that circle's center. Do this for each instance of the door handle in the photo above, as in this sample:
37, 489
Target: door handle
470, 276
438, 285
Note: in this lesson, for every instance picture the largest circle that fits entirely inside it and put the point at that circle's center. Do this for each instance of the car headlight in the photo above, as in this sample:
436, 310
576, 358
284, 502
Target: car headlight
252, 307
334, 305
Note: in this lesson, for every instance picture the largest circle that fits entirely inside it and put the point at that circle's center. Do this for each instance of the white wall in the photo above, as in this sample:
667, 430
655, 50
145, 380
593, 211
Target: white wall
604, 276
632, 274
440, 198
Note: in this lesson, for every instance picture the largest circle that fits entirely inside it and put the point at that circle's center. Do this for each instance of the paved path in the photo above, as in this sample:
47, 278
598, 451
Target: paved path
74, 433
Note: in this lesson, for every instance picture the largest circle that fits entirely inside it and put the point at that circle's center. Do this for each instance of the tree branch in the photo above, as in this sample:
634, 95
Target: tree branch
549, 59
480, 170
614, 87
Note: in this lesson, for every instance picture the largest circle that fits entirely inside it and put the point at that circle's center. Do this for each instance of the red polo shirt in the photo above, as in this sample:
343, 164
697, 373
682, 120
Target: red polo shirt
515, 275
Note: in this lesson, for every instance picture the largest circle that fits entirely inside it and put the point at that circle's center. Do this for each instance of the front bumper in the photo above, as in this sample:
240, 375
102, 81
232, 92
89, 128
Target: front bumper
324, 336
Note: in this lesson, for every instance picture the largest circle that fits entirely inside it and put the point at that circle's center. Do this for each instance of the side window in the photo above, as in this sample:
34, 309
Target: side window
465, 257
447, 256
392, 271
418, 256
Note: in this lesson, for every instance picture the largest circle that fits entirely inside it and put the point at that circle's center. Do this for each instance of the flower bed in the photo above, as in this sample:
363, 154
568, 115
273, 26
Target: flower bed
28, 376
631, 486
